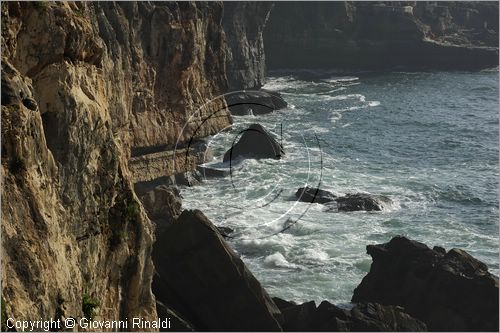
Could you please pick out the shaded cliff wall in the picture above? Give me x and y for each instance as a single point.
(244, 24)
(85, 86)
(382, 35)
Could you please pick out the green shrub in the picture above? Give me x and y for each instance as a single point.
(79, 12)
(132, 210)
(89, 305)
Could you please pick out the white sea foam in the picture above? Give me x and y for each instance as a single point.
(278, 260)
(341, 79)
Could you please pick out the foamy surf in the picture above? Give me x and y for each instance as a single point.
(375, 135)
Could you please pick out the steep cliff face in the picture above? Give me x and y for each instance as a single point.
(244, 24)
(72, 230)
(86, 86)
(382, 35)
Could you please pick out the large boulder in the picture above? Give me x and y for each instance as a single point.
(255, 142)
(256, 102)
(177, 324)
(312, 194)
(201, 277)
(362, 201)
(365, 317)
(449, 291)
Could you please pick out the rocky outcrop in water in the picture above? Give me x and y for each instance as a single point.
(244, 103)
(200, 276)
(256, 142)
(382, 35)
(362, 201)
(311, 194)
(346, 203)
(449, 291)
(364, 317)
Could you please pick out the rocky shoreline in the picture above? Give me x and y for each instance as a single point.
(410, 287)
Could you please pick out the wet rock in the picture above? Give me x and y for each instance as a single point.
(188, 178)
(206, 282)
(225, 231)
(282, 304)
(299, 318)
(254, 102)
(449, 291)
(209, 172)
(362, 201)
(312, 194)
(365, 317)
(255, 142)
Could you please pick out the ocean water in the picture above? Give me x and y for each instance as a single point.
(429, 141)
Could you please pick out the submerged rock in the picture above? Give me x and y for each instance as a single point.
(369, 317)
(225, 231)
(362, 201)
(255, 102)
(449, 291)
(209, 172)
(201, 277)
(312, 194)
(255, 142)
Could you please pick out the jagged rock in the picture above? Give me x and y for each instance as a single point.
(311, 194)
(188, 178)
(254, 102)
(15, 89)
(201, 277)
(299, 318)
(365, 317)
(163, 204)
(245, 60)
(255, 142)
(283, 304)
(209, 172)
(449, 291)
(225, 231)
(362, 201)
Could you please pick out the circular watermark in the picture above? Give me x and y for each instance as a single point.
(233, 166)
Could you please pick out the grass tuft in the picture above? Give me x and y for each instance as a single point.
(89, 305)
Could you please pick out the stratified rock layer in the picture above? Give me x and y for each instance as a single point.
(449, 291)
(244, 23)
